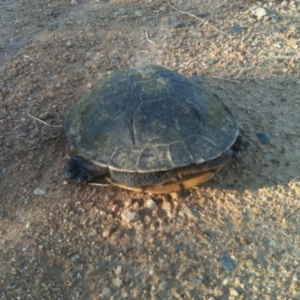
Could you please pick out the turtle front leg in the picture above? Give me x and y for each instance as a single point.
(80, 169)
(240, 145)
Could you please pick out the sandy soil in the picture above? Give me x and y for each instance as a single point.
(235, 237)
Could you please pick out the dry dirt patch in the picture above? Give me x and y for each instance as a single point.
(235, 237)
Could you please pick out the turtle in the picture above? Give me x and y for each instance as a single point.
(150, 129)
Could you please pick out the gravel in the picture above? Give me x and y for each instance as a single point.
(129, 215)
(151, 204)
(70, 242)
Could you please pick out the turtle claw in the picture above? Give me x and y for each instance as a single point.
(76, 169)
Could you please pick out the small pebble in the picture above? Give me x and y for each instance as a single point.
(204, 14)
(128, 203)
(190, 23)
(115, 208)
(264, 138)
(118, 282)
(176, 24)
(228, 262)
(151, 204)
(45, 115)
(140, 227)
(89, 86)
(211, 62)
(106, 292)
(259, 12)
(136, 205)
(233, 292)
(237, 29)
(275, 19)
(118, 270)
(129, 215)
(138, 13)
(195, 283)
(163, 285)
(39, 191)
(107, 232)
(292, 30)
(120, 11)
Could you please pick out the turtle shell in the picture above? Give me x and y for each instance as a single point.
(150, 119)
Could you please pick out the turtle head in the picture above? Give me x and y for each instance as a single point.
(241, 144)
(76, 169)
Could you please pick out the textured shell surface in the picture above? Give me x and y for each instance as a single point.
(150, 119)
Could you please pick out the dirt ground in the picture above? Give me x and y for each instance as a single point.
(234, 237)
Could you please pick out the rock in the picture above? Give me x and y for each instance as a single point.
(140, 227)
(120, 11)
(237, 29)
(45, 115)
(118, 270)
(292, 30)
(136, 205)
(228, 262)
(151, 204)
(115, 208)
(163, 285)
(118, 282)
(264, 138)
(211, 62)
(107, 232)
(259, 12)
(195, 283)
(39, 191)
(275, 19)
(233, 292)
(191, 23)
(176, 24)
(138, 13)
(128, 203)
(129, 215)
(106, 292)
(203, 14)
(89, 86)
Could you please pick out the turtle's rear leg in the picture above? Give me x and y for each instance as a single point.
(80, 169)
